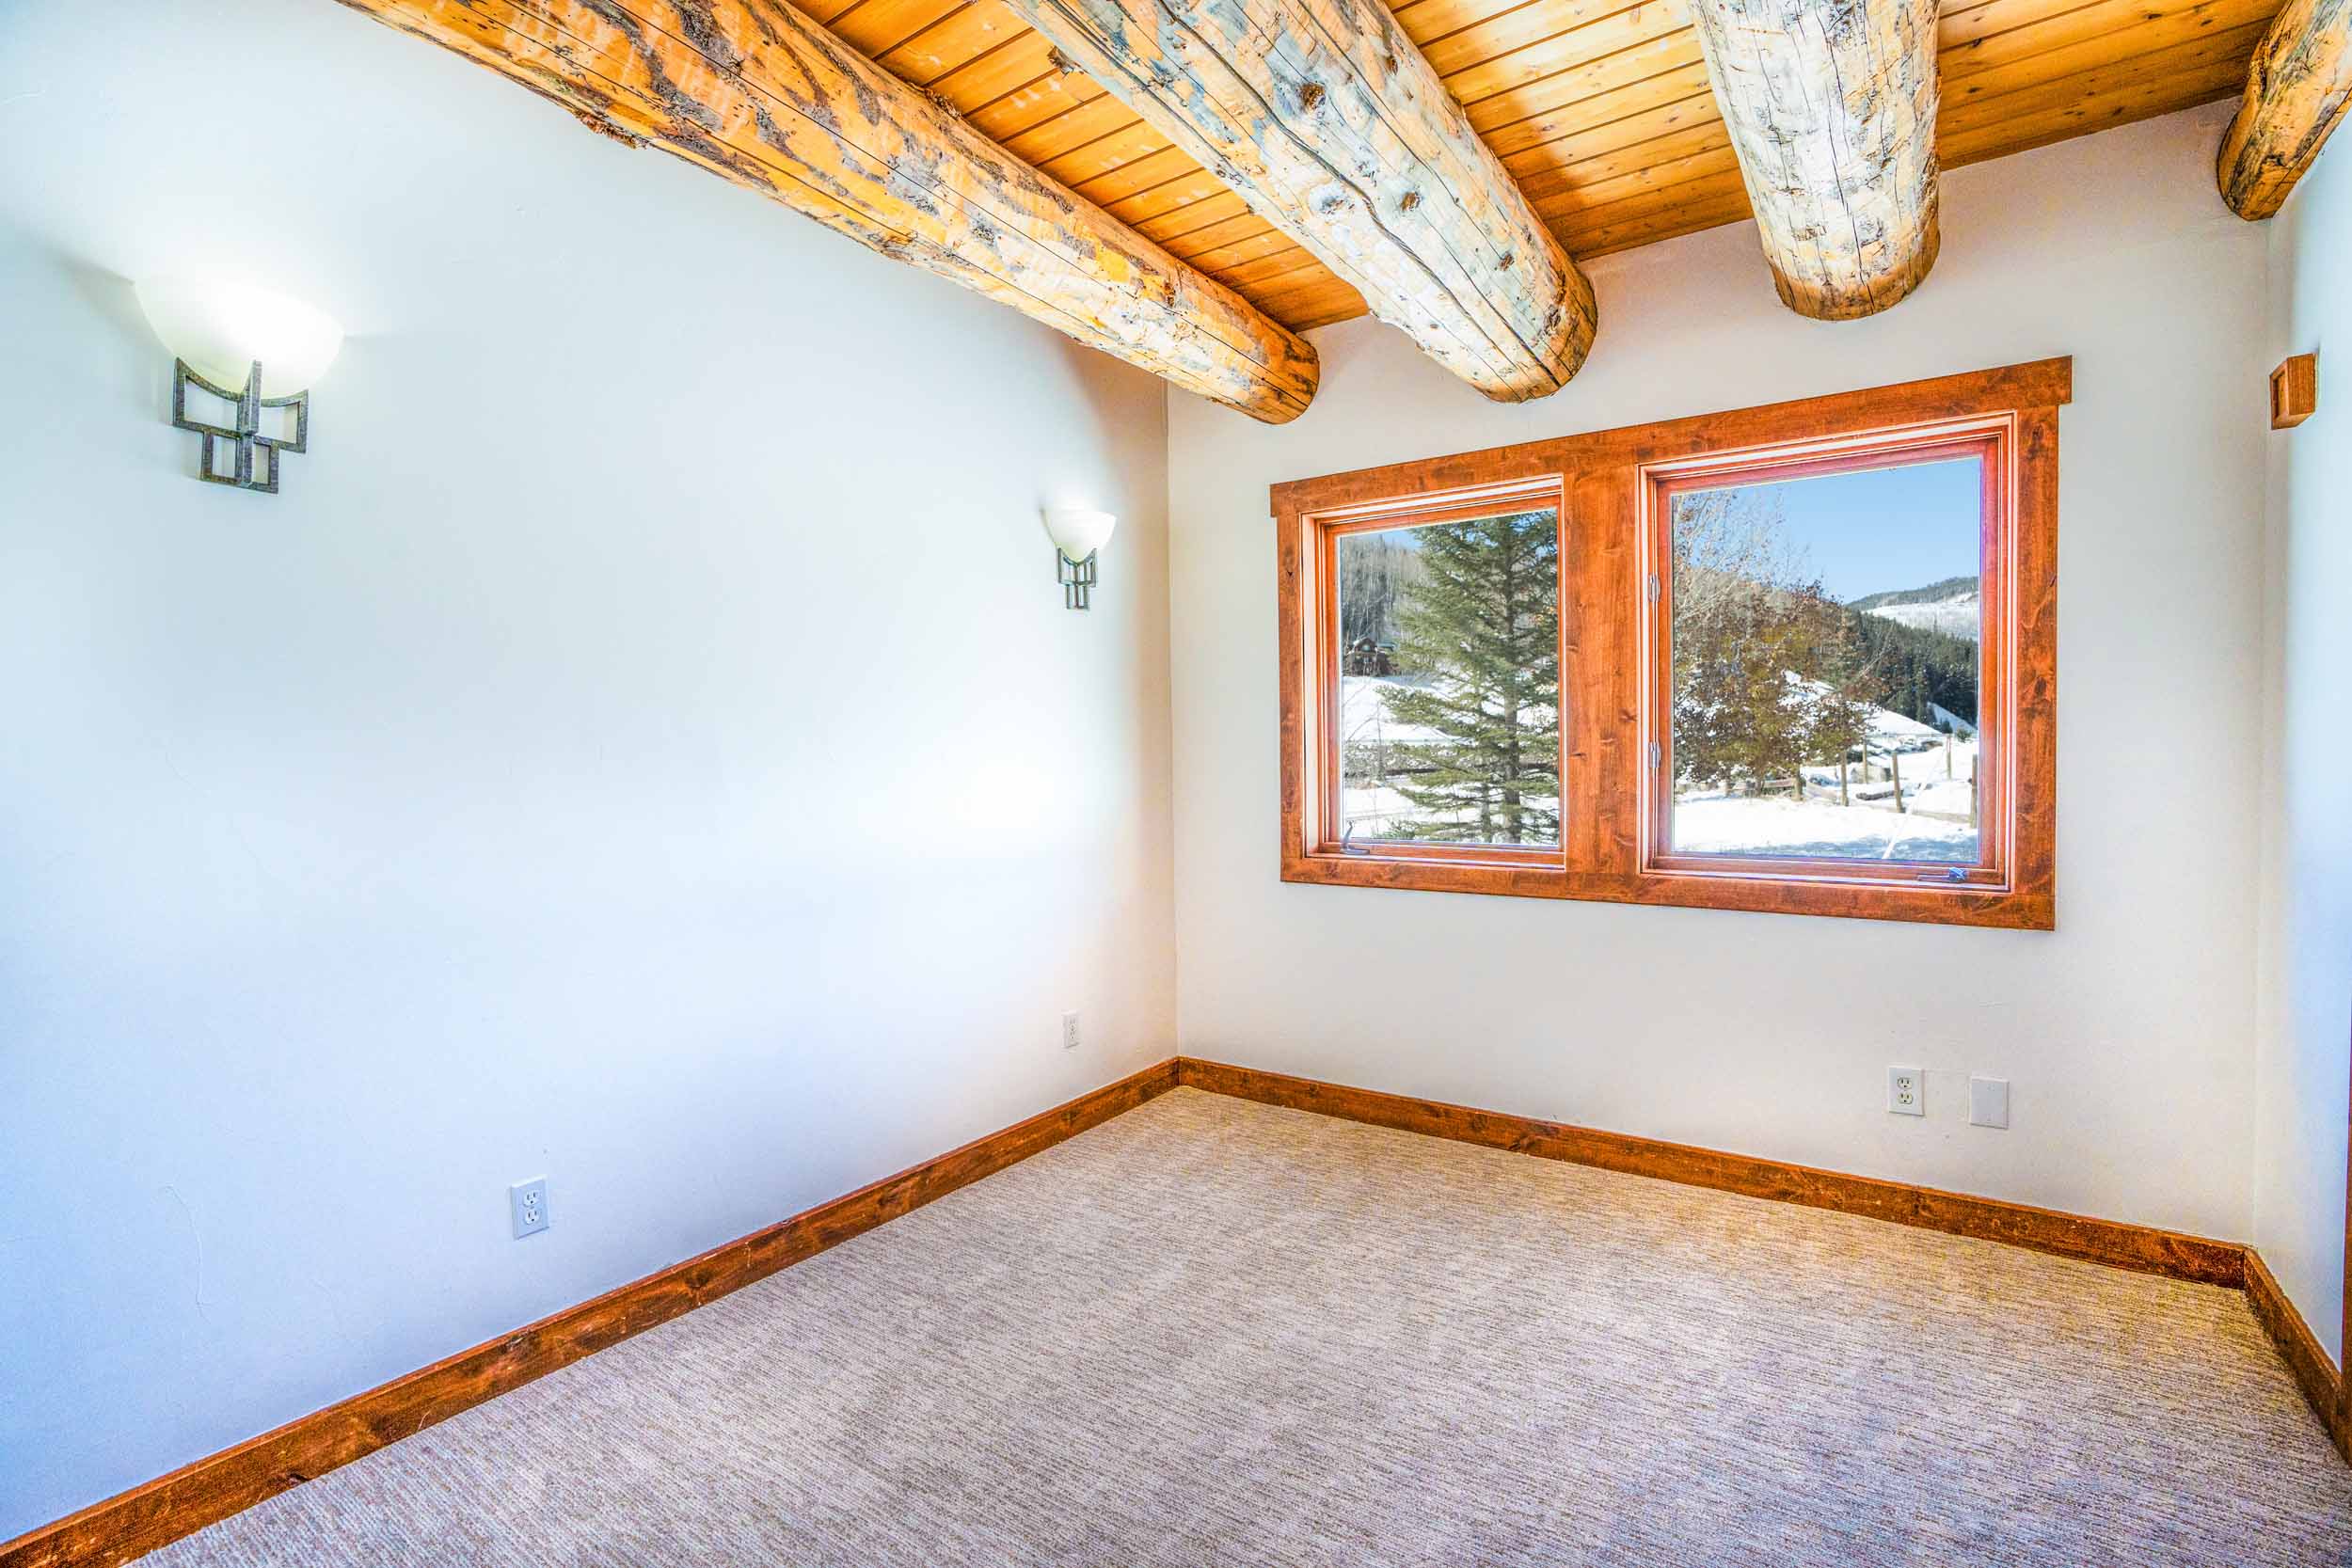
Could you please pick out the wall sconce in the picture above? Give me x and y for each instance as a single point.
(221, 335)
(1078, 538)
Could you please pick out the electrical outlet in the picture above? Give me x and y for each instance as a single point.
(1070, 1031)
(1988, 1102)
(1906, 1091)
(529, 1203)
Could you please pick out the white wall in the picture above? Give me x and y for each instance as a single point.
(587, 768)
(2305, 995)
(2126, 1033)
(642, 746)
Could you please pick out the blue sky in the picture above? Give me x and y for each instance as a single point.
(1883, 528)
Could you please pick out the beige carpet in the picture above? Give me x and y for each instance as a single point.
(1213, 1333)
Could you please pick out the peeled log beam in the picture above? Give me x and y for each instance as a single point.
(1330, 124)
(1831, 107)
(2295, 92)
(756, 93)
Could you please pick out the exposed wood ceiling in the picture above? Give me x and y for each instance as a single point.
(1600, 110)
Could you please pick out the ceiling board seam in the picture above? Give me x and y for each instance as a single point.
(1971, 108)
(1171, 240)
(1305, 261)
(1096, 140)
(1604, 124)
(982, 58)
(833, 23)
(1570, 68)
(1485, 20)
(2222, 80)
(1226, 242)
(1566, 171)
(1634, 86)
(1502, 54)
(2145, 16)
(1099, 92)
(2120, 62)
(2040, 19)
(906, 41)
(1118, 169)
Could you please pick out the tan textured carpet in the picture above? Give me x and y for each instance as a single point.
(1215, 1332)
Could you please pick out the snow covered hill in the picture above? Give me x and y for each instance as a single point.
(1951, 606)
(1959, 616)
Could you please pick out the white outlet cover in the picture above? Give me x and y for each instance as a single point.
(527, 1202)
(1988, 1102)
(1070, 1031)
(1906, 1091)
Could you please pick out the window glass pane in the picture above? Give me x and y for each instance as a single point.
(1826, 665)
(1449, 681)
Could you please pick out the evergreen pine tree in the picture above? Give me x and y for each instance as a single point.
(1483, 623)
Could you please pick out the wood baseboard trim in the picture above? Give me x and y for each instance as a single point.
(2109, 1241)
(212, 1489)
(2299, 1348)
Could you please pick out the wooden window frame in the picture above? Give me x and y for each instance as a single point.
(1989, 441)
(1606, 486)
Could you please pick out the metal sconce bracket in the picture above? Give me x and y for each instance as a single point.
(1077, 579)
(246, 433)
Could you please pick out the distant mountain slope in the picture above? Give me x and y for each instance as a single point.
(1950, 607)
(1949, 588)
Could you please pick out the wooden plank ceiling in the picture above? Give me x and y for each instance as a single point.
(1600, 110)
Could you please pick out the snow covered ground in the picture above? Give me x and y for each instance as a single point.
(1938, 821)
(1364, 716)
(1716, 825)
(1936, 824)
(1372, 813)
(1367, 734)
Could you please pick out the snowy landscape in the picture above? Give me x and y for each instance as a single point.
(1937, 821)
(1806, 722)
(1859, 817)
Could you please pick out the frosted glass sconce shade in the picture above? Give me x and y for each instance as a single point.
(219, 330)
(249, 346)
(1078, 538)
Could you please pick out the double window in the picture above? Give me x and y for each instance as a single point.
(1796, 658)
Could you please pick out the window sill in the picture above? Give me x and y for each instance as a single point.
(1530, 877)
(1851, 898)
(1521, 876)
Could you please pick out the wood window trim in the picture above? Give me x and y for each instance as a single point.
(1989, 442)
(1413, 512)
(1603, 480)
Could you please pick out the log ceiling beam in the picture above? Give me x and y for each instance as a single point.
(759, 95)
(1831, 107)
(2297, 86)
(1323, 117)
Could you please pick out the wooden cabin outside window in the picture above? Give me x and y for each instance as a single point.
(1682, 663)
